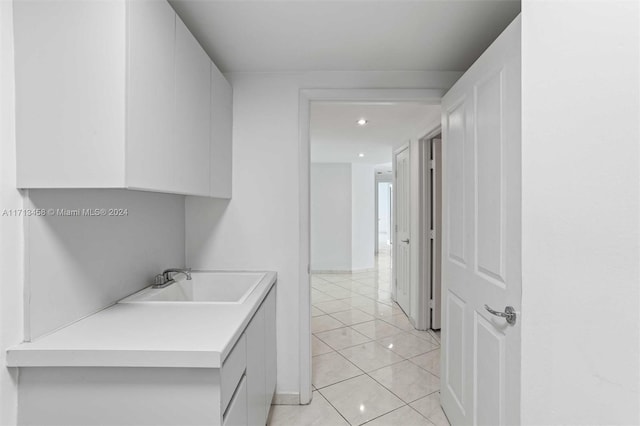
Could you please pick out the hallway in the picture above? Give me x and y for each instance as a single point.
(369, 364)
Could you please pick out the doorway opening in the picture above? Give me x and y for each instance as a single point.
(384, 212)
(358, 331)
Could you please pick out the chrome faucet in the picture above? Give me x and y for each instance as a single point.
(166, 278)
(166, 273)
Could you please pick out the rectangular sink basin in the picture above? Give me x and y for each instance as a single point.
(204, 287)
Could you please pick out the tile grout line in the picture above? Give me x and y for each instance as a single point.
(430, 337)
(334, 408)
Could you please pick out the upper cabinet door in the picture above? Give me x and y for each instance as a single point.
(221, 134)
(191, 148)
(151, 94)
(70, 88)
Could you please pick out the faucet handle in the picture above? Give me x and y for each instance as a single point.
(159, 280)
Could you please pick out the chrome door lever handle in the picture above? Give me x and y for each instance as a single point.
(405, 241)
(509, 313)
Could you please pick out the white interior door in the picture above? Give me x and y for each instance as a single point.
(482, 238)
(402, 243)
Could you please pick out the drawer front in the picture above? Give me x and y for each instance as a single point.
(232, 371)
(236, 414)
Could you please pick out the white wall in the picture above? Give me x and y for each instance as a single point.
(11, 236)
(384, 211)
(79, 265)
(260, 227)
(342, 217)
(331, 217)
(363, 212)
(581, 140)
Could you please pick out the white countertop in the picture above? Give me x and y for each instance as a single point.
(191, 335)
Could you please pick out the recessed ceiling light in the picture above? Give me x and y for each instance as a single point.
(362, 122)
(361, 155)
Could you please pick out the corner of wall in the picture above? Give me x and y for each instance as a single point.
(11, 226)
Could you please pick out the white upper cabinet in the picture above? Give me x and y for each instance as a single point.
(118, 94)
(221, 128)
(151, 97)
(192, 113)
(70, 88)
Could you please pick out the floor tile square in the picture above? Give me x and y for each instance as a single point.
(318, 296)
(401, 321)
(352, 316)
(407, 345)
(376, 329)
(332, 368)
(342, 338)
(370, 356)
(332, 306)
(318, 413)
(361, 399)
(430, 408)
(429, 361)
(338, 292)
(426, 335)
(318, 347)
(323, 323)
(403, 416)
(336, 278)
(379, 310)
(315, 312)
(407, 380)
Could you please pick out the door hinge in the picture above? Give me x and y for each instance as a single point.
(432, 164)
(396, 227)
(432, 234)
(432, 304)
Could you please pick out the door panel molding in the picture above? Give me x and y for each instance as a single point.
(483, 244)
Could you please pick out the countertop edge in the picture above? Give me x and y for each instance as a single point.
(22, 355)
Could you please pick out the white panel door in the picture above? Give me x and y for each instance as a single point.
(481, 253)
(402, 241)
(191, 148)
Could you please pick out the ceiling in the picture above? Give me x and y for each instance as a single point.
(345, 35)
(337, 138)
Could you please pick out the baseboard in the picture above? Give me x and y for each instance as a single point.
(346, 271)
(286, 398)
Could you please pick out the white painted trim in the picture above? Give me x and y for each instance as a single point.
(286, 398)
(427, 96)
(343, 271)
(433, 132)
(304, 249)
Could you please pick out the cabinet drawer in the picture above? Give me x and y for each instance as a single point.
(236, 414)
(232, 370)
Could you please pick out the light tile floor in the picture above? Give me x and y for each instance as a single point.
(369, 364)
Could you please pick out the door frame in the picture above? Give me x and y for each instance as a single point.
(305, 97)
(378, 180)
(424, 267)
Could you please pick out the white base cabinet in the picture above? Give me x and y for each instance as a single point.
(118, 94)
(261, 361)
(237, 394)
